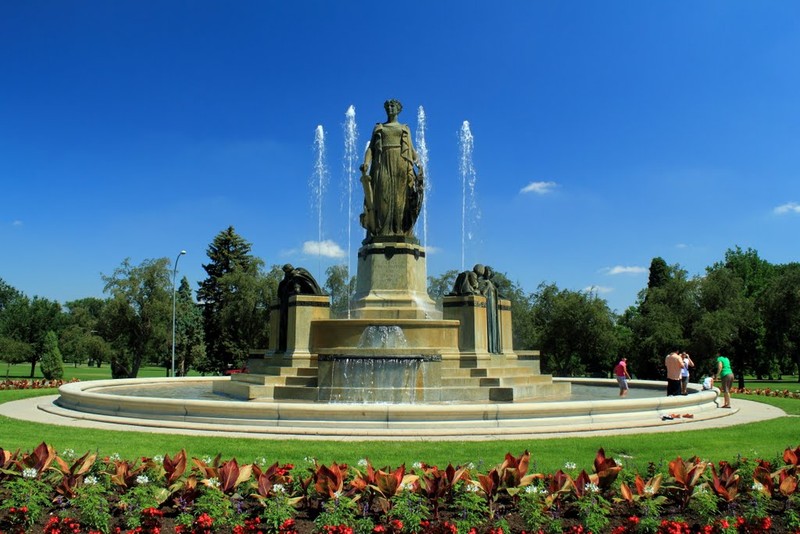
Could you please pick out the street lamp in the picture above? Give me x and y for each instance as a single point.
(174, 273)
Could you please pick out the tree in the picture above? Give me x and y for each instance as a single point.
(51, 364)
(340, 289)
(731, 294)
(575, 331)
(235, 298)
(190, 346)
(781, 304)
(439, 286)
(138, 314)
(26, 322)
(662, 320)
(80, 340)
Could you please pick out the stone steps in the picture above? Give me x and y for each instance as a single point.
(495, 378)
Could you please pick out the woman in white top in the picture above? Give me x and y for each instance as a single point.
(687, 362)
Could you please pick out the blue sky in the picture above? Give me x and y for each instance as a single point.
(605, 133)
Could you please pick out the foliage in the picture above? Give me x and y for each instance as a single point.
(574, 330)
(663, 319)
(341, 288)
(138, 315)
(93, 507)
(24, 324)
(235, 297)
(36, 483)
(190, 345)
(411, 509)
(51, 363)
(439, 286)
(469, 507)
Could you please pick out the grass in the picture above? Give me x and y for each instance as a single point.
(22, 371)
(765, 440)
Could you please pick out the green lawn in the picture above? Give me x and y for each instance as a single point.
(81, 372)
(765, 440)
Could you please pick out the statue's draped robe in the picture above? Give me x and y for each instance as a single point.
(396, 199)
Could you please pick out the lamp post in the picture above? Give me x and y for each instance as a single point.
(174, 273)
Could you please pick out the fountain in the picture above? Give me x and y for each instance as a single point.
(398, 364)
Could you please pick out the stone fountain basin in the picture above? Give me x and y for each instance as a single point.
(95, 400)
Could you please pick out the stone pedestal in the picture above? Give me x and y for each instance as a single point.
(506, 335)
(303, 309)
(470, 311)
(392, 283)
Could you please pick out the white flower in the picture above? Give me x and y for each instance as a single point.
(90, 480)
(309, 459)
(68, 453)
(363, 462)
(337, 495)
(570, 465)
(417, 465)
(142, 480)
(472, 488)
(115, 457)
(207, 459)
(279, 488)
(591, 487)
(650, 490)
(214, 482)
(470, 465)
(29, 472)
(535, 490)
(158, 458)
(261, 461)
(758, 486)
(406, 486)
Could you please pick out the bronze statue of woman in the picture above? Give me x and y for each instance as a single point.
(392, 178)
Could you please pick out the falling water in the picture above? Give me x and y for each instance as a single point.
(319, 181)
(469, 205)
(422, 153)
(350, 140)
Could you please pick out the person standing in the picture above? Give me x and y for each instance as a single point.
(687, 362)
(674, 364)
(725, 375)
(621, 373)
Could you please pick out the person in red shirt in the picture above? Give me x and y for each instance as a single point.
(622, 376)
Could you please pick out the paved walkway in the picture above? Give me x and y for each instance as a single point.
(744, 411)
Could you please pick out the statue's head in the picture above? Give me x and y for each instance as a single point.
(398, 107)
(288, 268)
(479, 269)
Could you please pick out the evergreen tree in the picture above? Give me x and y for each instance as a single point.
(51, 364)
(235, 299)
(190, 346)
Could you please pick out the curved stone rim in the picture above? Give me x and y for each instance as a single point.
(377, 421)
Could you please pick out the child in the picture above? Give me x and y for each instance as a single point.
(708, 383)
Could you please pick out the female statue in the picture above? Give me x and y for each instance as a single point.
(393, 188)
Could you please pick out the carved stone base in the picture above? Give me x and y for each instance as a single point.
(392, 283)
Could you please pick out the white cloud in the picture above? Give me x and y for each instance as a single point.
(600, 290)
(789, 207)
(432, 250)
(681, 245)
(16, 223)
(539, 188)
(327, 249)
(621, 269)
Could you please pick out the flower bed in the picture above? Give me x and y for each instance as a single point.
(32, 384)
(42, 491)
(768, 392)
